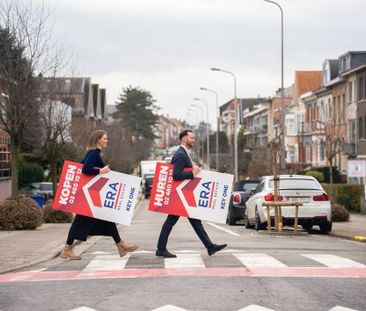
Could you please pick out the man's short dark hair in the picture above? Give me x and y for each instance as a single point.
(184, 133)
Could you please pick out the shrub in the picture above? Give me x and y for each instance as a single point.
(339, 213)
(319, 176)
(29, 172)
(21, 214)
(51, 215)
(348, 195)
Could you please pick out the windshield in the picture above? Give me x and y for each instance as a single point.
(295, 183)
(248, 187)
(46, 187)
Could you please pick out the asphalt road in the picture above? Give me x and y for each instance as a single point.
(257, 271)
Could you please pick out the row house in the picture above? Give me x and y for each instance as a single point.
(304, 82)
(227, 113)
(5, 172)
(256, 121)
(167, 132)
(335, 109)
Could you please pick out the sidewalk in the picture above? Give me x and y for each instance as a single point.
(20, 249)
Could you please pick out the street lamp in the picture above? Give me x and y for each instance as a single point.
(207, 129)
(217, 126)
(235, 123)
(283, 129)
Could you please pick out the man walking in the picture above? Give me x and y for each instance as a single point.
(181, 160)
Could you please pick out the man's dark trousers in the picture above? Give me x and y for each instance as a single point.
(171, 220)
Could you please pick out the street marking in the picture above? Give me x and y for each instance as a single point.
(340, 308)
(295, 272)
(107, 262)
(184, 261)
(143, 252)
(169, 308)
(187, 251)
(83, 309)
(223, 229)
(255, 308)
(251, 260)
(334, 261)
(98, 253)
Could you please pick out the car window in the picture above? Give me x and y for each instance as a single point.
(46, 187)
(34, 186)
(247, 188)
(259, 187)
(295, 183)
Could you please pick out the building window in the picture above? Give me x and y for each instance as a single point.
(360, 89)
(360, 128)
(4, 162)
(308, 154)
(352, 131)
(350, 92)
(321, 151)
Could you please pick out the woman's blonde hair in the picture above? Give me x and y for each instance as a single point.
(94, 137)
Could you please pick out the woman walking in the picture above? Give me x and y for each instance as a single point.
(83, 226)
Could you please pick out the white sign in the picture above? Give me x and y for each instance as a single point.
(356, 168)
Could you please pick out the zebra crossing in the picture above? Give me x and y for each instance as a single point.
(192, 259)
(251, 307)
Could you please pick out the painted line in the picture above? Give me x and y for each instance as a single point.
(334, 261)
(252, 260)
(107, 262)
(169, 308)
(255, 308)
(303, 272)
(83, 309)
(184, 261)
(340, 308)
(223, 229)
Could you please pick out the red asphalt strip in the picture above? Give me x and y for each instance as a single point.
(184, 272)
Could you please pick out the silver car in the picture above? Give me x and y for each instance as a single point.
(316, 208)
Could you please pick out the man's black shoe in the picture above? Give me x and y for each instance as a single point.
(164, 254)
(215, 248)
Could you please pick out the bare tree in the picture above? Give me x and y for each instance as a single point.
(27, 54)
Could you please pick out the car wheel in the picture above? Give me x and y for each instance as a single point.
(325, 227)
(246, 220)
(307, 225)
(258, 225)
(231, 220)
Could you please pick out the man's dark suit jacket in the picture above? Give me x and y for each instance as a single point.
(181, 161)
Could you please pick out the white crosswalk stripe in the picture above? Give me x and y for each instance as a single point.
(247, 308)
(107, 262)
(255, 308)
(258, 260)
(334, 261)
(186, 259)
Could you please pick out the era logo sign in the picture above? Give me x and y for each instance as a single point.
(109, 200)
(204, 190)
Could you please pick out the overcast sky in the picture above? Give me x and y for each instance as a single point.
(169, 46)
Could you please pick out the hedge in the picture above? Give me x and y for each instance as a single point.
(349, 196)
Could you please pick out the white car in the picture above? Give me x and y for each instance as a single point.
(316, 208)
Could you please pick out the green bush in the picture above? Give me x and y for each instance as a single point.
(339, 213)
(21, 214)
(51, 215)
(319, 176)
(29, 172)
(349, 196)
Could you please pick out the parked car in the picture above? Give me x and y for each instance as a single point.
(316, 208)
(242, 191)
(148, 186)
(44, 189)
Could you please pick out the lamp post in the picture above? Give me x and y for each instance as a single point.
(235, 124)
(217, 126)
(207, 129)
(283, 112)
